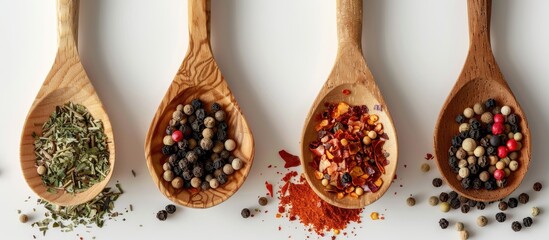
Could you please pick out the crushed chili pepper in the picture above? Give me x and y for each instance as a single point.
(269, 188)
(291, 160)
(322, 217)
(429, 156)
(346, 92)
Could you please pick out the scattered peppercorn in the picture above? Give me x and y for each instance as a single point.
(459, 226)
(481, 205)
(443, 223)
(437, 182)
(535, 211)
(263, 201)
(411, 201)
(463, 235)
(245, 213)
(501, 216)
(537, 186)
(527, 221)
(472, 203)
(170, 208)
(444, 207)
(162, 215)
(454, 203)
(516, 226)
(23, 218)
(465, 208)
(502, 206)
(452, 195)
(482, 221)
(523, 198)
(443, 197)
(425, 167)
(513, 202)
(433, 201)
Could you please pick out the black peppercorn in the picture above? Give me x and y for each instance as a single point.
(523, 198)
(484, 142)
(183, 144)
(181, 154)
(513, 202)
(489, 104)
(166, 150)
(198, 171)
(346, 178)
(225, 154)
(464, 134)
(187, 175)
(443, 223)
(481, 205)
(177, 170)
(515, 128)
(463, 199)
(466, 183)
(502, 206)
(443, 197)
(452, 151)
(490, 184)
(455, 204)
(200, 114)
(460, 118)
(500, 217)
(209, 167)
(245, 213)
(516, 226)
(495, 141)
(474, 169)
(162, 215)
(222, 178)
(186, 130)
(196, 103)
(537, 186)
(452, 195)
(197, 127)
(491, 151)
(215, 107)
(457, 141)
(170, 208)
(513, 119)
(477, 183)
(222, 126)
(169, 130)
(262, 201)
(437, 182)
(221, 135)
(527, 221)
(218, 163)
(472, 203)
(465, 208)
(183, 163)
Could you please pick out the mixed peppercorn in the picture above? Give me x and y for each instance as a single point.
(348, 154)
(486, 150)
(198, 148)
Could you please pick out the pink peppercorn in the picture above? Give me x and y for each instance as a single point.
(498, 128)
(512, 145)
(177, 136)
(499, 118)
(502, 151)
(499, 174)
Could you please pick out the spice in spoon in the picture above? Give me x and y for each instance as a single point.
(71, 152)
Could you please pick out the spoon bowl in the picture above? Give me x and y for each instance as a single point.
(479, 80)
(199, 77)
(66, 81)
(350, 73)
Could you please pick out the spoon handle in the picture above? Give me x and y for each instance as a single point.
(67, 28)
(349, 23)
(479, 12)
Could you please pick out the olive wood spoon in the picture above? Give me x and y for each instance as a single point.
(350, 72)
(479, 80)
(199, 77)
(66, 81)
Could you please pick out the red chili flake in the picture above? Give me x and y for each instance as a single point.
(346, 92)
(281, 209)
(269, 188)
(279, 228)
(429, 156)
(270, 166)
(291, 160)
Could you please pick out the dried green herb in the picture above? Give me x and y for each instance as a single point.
(73, 149)
(93, 212)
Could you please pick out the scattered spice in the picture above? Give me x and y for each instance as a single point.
(465, 208)
(512, 202)
(411, 201)
(433, 200)
(374, 216)
(299, 201)
(443, 223)
(429, 156)
(501, 217)
(23, 218)
(502, 205)
(482, 221)
(162, 215)
(269, 188)
(262, 201)
(523, 198)
(170, 208)
(346, 92)
(459, 226)
(289, 159)
(133, 173)
(444, 207)
(537, 186)
(437, 182)
(527, 221)
(463, 235)
(444, 197)
(425, 167)
(245, 213)
(71, 152)
(516, 226)
(535, 211)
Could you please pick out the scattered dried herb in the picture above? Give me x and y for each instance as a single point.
(269, 188)
(93, 212)
(71, 152)
(289, 159)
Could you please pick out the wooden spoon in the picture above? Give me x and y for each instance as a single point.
(350, 72)
(66, 81)
(199, 77)
(479, 80)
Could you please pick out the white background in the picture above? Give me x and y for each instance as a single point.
(275, 55)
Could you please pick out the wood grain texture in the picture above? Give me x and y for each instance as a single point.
(199, 77)
(66, 81)
(349, 72)
(479, 80)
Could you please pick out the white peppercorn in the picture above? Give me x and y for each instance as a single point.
(218, 172)
(214, 183)
(484, 176)
(463, 235)
(459, 226)
(493, 160)
(372, 134)
(492, 169)
(207, 133)
(479, 151)
(500, 165)
(209, 122)
(469, 145)
(230, 145)
(41, 170)
(177, 115)
(487, 118)
(463, 164)
(507, 172)
(166, 166)
(325, 182)
(517, 136)
(179, 107)
(468, 112)
(464, 127)
(433, 200)
(464, 172)
(192, 143)
(513, 165)
(506, 160)
(196, 182)
(505, 110)
(513, 155)
(237, 164)
(535, 211)
(228, 169)
(168, 175)
(168, 140)
(220, 115)
(208, 178)
(188, 109)
(359, 191)
(425, 167)
(482, 221)
(461, 154)
(478, 108)
(206, 143)
(177, 183)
